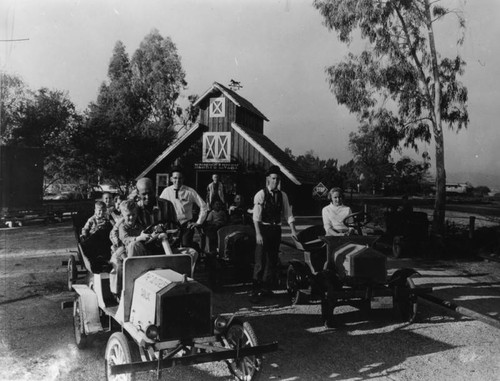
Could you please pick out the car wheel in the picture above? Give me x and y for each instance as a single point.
(293, 281)
(242, 335)
(81, 337)
(120, 350)
(405, 302)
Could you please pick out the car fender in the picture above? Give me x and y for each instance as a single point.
(301, 267)
(90, 309)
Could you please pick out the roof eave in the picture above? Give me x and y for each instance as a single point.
(266, 154)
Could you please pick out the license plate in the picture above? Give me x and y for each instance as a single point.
(381, 302)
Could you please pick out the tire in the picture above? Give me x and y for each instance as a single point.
(407, 305)
(242, 335)
(120, 350)
(293, 287)
(72, 272)
(81, 338)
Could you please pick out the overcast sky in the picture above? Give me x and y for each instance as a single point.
(277, 49)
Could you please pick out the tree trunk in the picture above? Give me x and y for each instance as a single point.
(440, 202)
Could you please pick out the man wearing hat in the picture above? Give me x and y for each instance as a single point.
(271, 207)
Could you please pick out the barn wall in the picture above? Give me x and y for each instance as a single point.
(249, 120)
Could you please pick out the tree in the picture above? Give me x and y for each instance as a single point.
(13, 94)
(372, 146)
(410, 176)
(134, 117)
(401, 70)
(158, 77)
(325, 171)
(47, 119)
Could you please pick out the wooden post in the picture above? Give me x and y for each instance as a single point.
(472, 221)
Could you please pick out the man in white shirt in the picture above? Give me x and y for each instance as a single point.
(184, 198)
(271, 207)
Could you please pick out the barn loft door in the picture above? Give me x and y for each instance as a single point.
(217, 147)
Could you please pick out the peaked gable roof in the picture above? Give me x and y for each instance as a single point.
(237, 99)
(192, 134)
(274, 154)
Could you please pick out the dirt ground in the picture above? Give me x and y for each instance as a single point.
(37, 336)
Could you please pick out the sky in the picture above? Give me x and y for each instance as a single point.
(277, 49)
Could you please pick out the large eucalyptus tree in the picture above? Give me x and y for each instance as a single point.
(400, 71)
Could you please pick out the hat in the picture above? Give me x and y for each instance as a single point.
(273, 169)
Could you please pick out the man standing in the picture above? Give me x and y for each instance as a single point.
(215, 191)
(184, 198)
(271, 207)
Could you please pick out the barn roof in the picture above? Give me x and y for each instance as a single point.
(274, 154)
(237, 99)
(178, 147)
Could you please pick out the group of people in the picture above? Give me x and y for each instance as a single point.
(175, 208)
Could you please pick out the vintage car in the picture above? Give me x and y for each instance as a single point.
(233, 260)
(162, 318)
(359, 269)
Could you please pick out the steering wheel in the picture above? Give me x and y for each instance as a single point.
(158, 228)
(357, 220)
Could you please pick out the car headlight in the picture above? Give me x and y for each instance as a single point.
(221, 323)
(152, 332)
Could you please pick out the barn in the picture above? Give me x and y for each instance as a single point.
(229, 134)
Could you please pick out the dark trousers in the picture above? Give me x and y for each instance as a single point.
(187, 235)
(267, 256)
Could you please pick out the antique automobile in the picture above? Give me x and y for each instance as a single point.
(82, 264)
(406, 231)
(233, 260)
(359, 269)
(162, 318)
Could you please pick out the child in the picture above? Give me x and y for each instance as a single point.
(237, 211)
(115, 214)
(99, 221)
(215, 220)
(130, 231)
(131, 238)
(95, 238)
(107, 198)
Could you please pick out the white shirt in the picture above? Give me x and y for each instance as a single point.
(333, 217)
(183, 203)
(258, 201)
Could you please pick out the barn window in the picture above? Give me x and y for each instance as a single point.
(217, 147)
(217, 107)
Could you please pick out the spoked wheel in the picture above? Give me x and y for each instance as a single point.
(81, 337)
(119, 351)
(72, 272)
(406, 303)
(293, 281)
(242, 335)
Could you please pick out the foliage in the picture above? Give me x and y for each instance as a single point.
(410, 176)
(45, 118)
(400, 71)
(481, 190)
(372, 146)
(136, 111)
(325, 171)
(13, 94)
